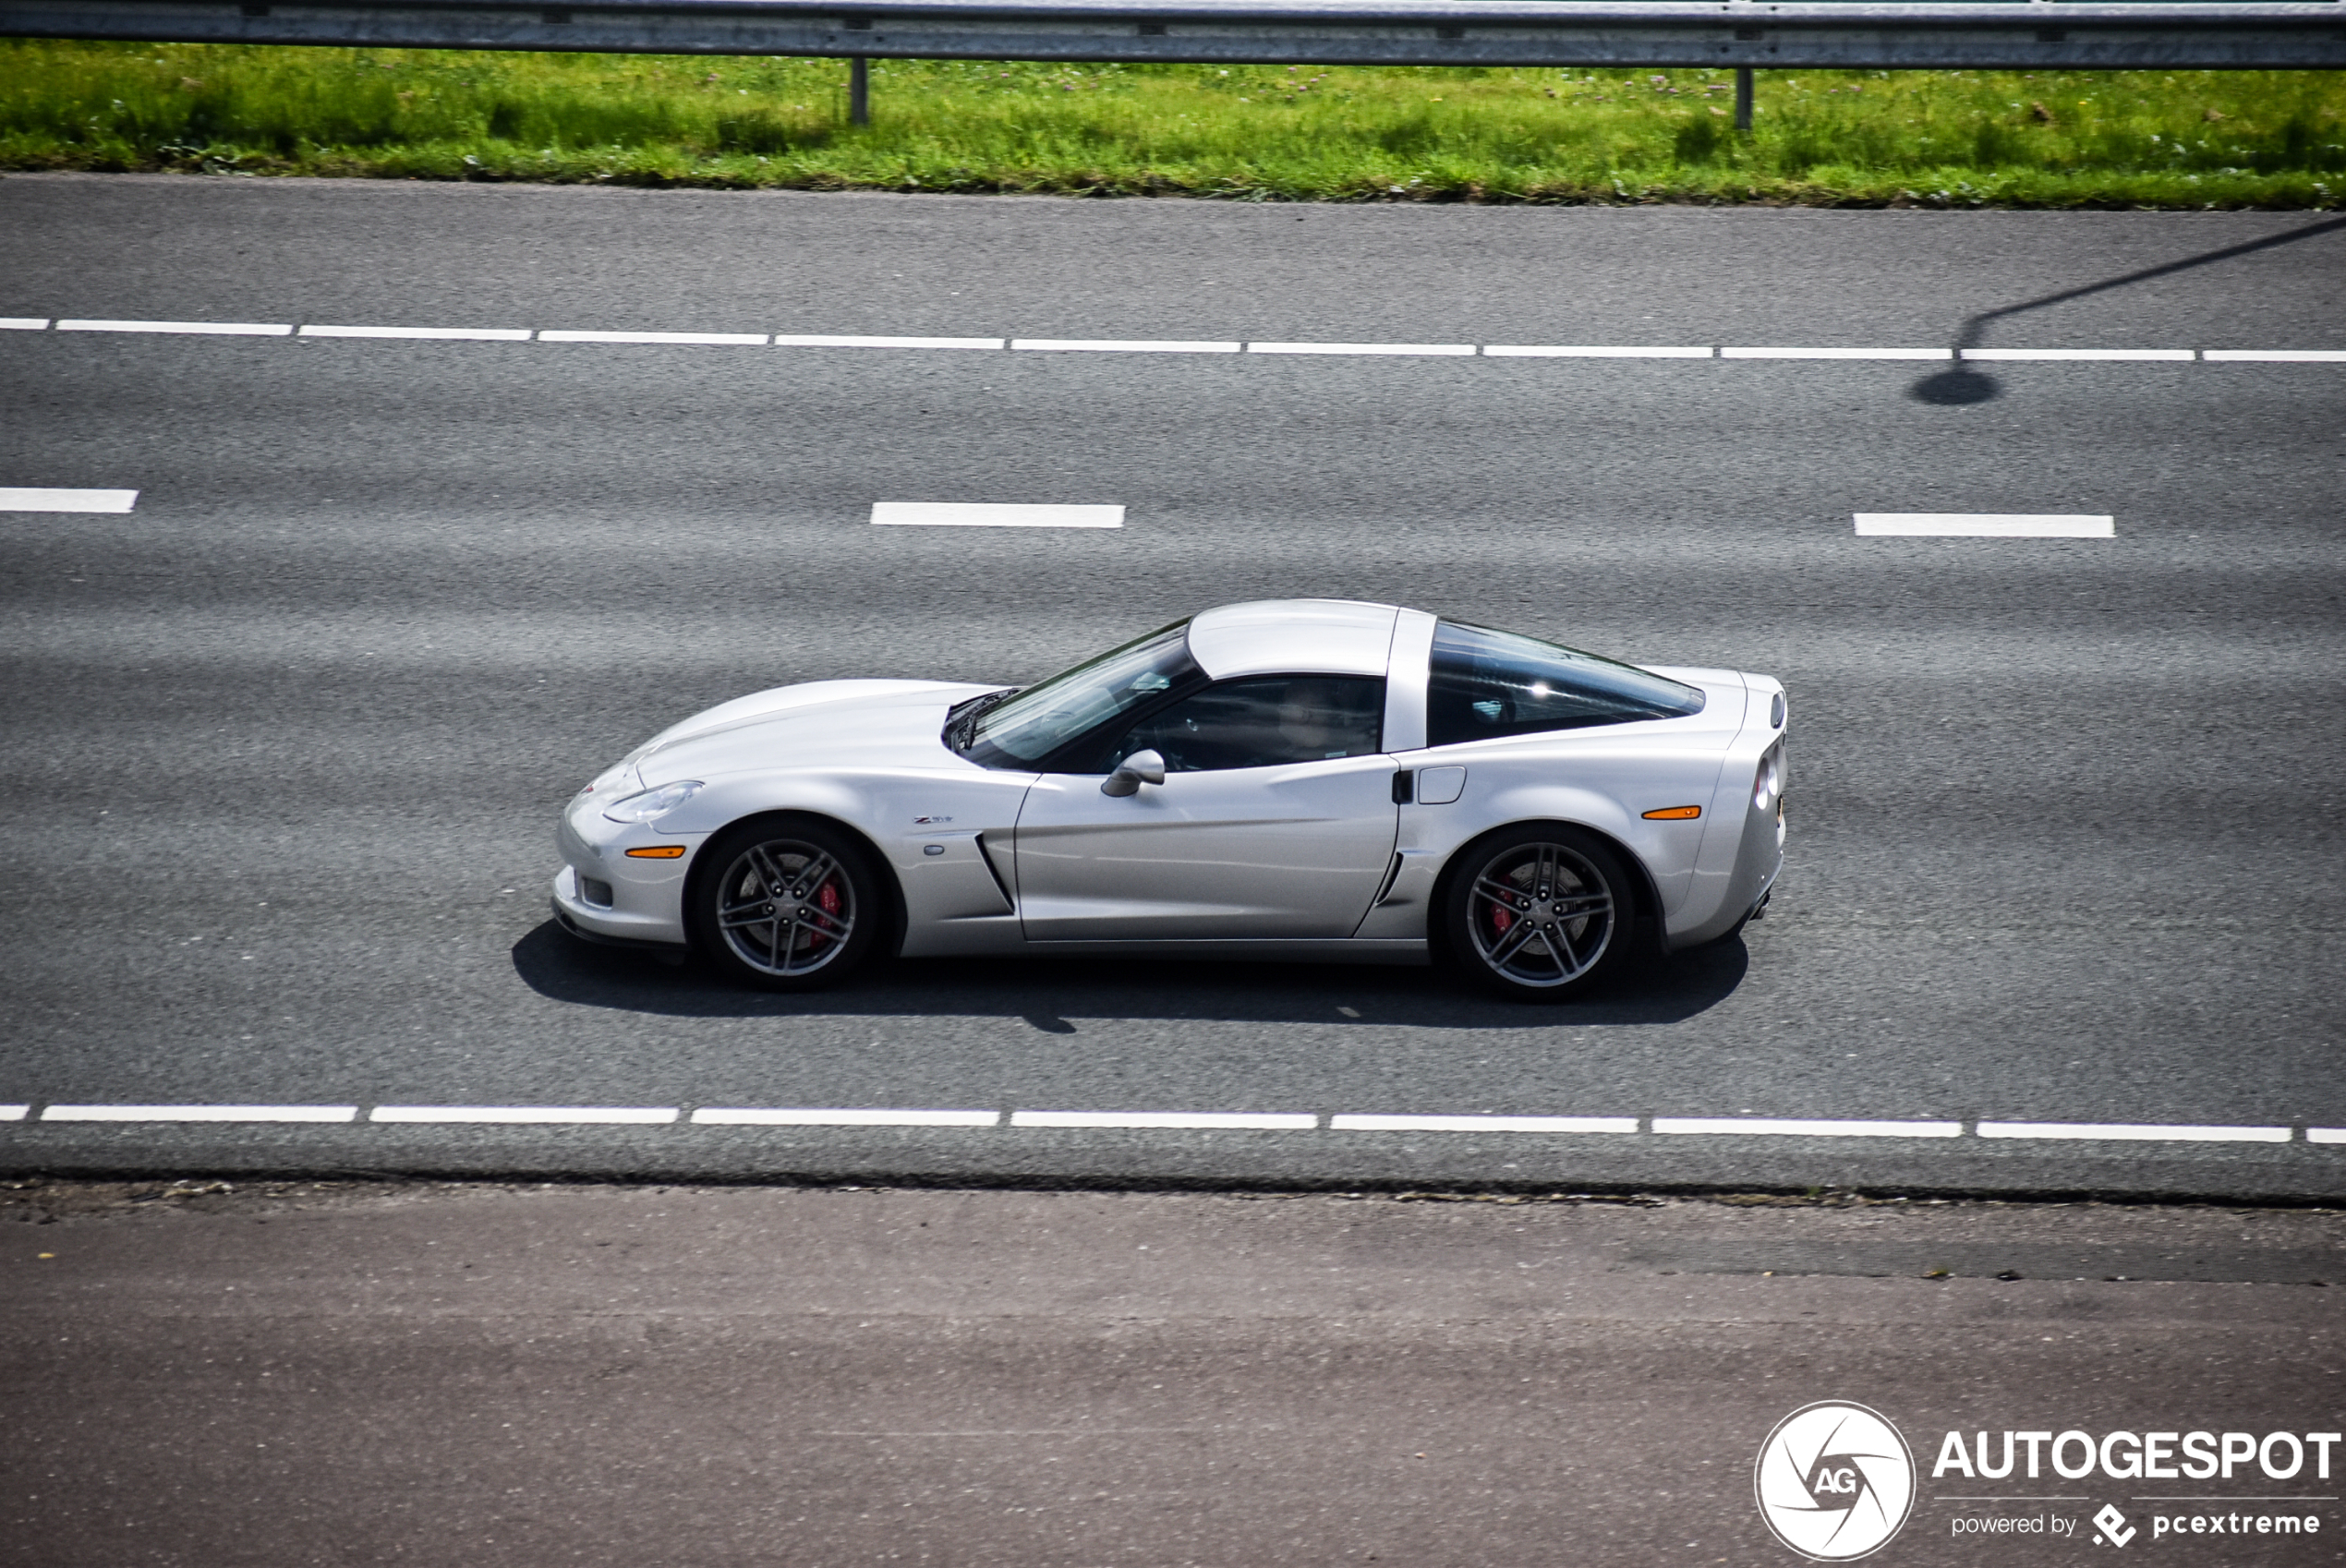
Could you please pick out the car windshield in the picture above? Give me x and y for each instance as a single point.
(1021, 731)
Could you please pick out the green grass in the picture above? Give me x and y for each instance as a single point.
(2168, 140)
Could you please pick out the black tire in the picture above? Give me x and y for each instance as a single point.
(1567, 885)
(832, 912)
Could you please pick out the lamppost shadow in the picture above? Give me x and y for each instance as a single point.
(1964, 385)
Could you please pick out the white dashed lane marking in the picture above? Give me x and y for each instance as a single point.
(1836, 353)
(1237, 1121)
(1782, 1128)
(528, 1115)
(1360, 348)
(2276, 356)
(24, 323)
(200, 1112)
(991, 514)
(13, 1112)
(2123, 1132)
(721, 340)
(2078, 354)
(1984, 525)
(1482, 1123)
(715, 1115)
(201, 329)
(834, 340)
(34, 499)
(1587, 350)
(1124, 345)
(455, 334)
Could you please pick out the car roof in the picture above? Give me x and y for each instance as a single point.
(1293, 636)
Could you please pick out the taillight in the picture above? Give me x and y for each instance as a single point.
(1767, 785)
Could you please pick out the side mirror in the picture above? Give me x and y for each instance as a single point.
(1140, 768)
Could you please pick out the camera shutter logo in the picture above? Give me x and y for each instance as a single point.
(1834, 1482)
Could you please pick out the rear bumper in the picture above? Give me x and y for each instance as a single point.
(1749, 882)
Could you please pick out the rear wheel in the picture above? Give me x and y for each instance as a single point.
(1542, 912)
(785, 904)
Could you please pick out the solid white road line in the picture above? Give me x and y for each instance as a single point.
(1482, 1123)
(34, 499)
(991, 514)
(1793, 1128)
(1984, 525)
(2078, 354)
(713, 1115)
(2326, 1135)
(525, 1114)
(1360, 348)
(1542, 351)
(465, 335)
(1177, 346)
(1122, 345)
(755, 340)
(836, 340)
(206, 329)
(2116, 1130)
(1241, 1120)
(1836, 353)
(200, 1114)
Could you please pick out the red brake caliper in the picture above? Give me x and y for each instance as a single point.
(828, 896)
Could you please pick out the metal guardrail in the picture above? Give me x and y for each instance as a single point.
(1745, 35)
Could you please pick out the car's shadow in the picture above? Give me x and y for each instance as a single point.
(1047, 992)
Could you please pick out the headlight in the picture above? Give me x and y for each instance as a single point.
(650, 805)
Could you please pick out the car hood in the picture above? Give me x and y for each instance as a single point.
(859, 723)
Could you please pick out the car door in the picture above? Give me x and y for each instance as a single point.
(1276, 819)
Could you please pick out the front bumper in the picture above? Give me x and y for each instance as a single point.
(603, 894)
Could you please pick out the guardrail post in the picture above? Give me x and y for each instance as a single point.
(859, 90)
(1743, 98)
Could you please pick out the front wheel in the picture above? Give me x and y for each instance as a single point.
(1541, 912)
(785, 905)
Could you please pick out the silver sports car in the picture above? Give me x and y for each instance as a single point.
(1306, 778)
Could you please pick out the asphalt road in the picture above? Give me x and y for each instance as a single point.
(650, 1378)
(285, 743)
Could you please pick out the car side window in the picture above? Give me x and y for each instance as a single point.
(1263, 721)
(1481, 683)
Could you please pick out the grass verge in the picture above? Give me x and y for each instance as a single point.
(1843, 139)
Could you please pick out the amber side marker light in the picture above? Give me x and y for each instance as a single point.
(1667, 814)
(657, 852)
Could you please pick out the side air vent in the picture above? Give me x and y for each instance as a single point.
(987, 854)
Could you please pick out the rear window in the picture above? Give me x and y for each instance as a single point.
(1483, 683)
